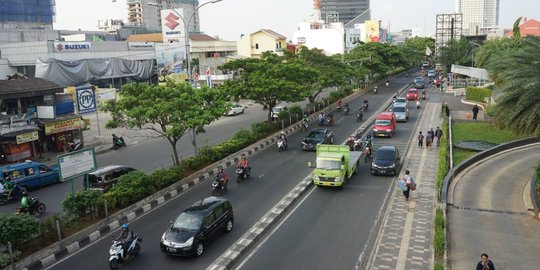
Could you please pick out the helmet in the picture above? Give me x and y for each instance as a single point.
(24, 194)
(113, 135)
(283, 132)
(407, 172)
(243, 157)
(125, 226)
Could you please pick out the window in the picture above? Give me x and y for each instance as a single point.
(44, 169)
(209, 220)
(29, 171)
(257, 46)
(218, 211)
(10, 106)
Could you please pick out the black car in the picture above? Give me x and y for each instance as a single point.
(197, 226)
(386, 161)
(105, 177)
(317, 136)
(419, 83)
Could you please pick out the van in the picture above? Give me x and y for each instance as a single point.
(401, 112)
(385, 124)
(29, 174)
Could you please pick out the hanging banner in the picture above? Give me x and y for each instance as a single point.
(27, 137)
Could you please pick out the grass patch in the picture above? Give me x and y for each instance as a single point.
(442, 169)
(463, 131)
(537, 176)
(460, 155)
(438, 266)
(438, 239)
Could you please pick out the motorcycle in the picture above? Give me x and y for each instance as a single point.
(387, 83)
(367, 154)
(35, 207)
(242, 174)
(329, 120)
(350, 143)
(359, 116)
(358, 144)
(346, 111)
(14, 193)
(117, 143)
(75, 146)
(365, 106)
(281, 145)
(321, 121)
(117, 252)
(375, 90)
(305, 125)
(418, 104)
(219, 186)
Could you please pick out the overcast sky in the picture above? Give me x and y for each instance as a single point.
(231, 18)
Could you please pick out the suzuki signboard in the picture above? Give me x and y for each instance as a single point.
(71, 46)
(172, 25)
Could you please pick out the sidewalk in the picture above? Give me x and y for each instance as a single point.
(405, 237)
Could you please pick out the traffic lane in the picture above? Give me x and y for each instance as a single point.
(274, 174)
(147, 155)
(332, 225)
(496, 183)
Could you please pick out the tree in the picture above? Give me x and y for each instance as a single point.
(517, 76)
(415, 48)
(456, 52)
(169, 110)
(493, 48)
(378, 58)
(328, 71)
(269, 80)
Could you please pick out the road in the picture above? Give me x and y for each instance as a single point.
(274, 175)
(489, 214)
(330, 228)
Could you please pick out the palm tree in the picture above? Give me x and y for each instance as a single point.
(517, 75)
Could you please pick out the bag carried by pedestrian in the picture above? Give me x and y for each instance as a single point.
(402, 184)
(410, 183)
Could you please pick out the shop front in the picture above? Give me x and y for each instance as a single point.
(59, 133)
(19, 146)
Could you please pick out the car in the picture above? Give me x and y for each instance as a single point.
(400, 100)
(432, 74)
(317, 136)
(29, 174)
(386, 161)
(104, 178)
(419, 83)
(425, 64)
(412, 94)
(277, 110)
(235, 109)
(197, 226)
(385, 124)
(401, 112)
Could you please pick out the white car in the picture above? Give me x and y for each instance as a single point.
(400, 101)
(277, 110)
(235, 109)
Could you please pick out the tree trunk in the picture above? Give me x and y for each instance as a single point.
(175, 153)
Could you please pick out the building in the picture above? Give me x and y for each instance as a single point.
(348, 12)
(478, 15)
(528, 27)
(35, 117)
(254, 44)
(147, 13)
(27, 14)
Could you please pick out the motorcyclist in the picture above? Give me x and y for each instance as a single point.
(244, 164)
(221, 177)
(360, 111)
(339, 102)
(283, 137)
(346, 108)
(330, 118)
(125, 237)
(25, 202)
(423, 94)
(321, 119)
(305, 119)
(387, 83)
(366, 104)
(350, 142)
(117, 140)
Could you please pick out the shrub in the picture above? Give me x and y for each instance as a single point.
(5, 260)
(537, 176)
(166, 177)
(243, 136)
(130, 188)
(478, 93)
(295, 109)
(283, 114)
(335, 95)
(442, 169)
(81, 203)
(439, 266)
(438, 240)
(262, 129)
(17, 228)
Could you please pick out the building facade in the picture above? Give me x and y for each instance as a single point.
(255, 44)
(28, 14)
(478, 15)
(146, 13)
(344, 11)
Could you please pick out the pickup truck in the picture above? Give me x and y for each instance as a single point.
(335, 165)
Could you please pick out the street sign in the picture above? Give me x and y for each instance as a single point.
(86, 99)
(75, 164)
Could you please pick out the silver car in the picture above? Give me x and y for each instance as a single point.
(401, 112)
(400, 101)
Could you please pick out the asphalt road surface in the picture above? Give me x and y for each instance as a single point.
(274, 174)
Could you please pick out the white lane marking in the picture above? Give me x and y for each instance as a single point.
(274, 230)
(341, 119)
(262, 175)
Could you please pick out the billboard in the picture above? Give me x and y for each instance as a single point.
(172, 25)
(170, 59)
(372, 31)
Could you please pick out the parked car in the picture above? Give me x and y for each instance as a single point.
(235, 109)
(401, 112)
(29, 174)
(385, 124)
(197, 226)
(386, 161)
(317, 136)
(419, 83)
(277, 110)
(104, 178)
(400, 101)
(412, 94)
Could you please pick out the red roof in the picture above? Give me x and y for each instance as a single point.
(201, 37)
(531, 27)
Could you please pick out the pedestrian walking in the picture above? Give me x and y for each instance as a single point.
(431, 133)
(475, 111)
(429, 141)
(406, 183)
(485, 263)
(438, 134)
(420, 140)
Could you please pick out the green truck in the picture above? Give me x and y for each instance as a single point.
(335, 165)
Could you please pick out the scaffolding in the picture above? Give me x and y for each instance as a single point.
(448, 27)
(27, 11)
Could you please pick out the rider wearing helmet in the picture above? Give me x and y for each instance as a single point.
(221, 177)
(244, 163)
(126, 237)
(25, 202)
(283, 137)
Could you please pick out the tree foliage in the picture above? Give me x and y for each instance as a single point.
(169, 110)
(17, 228)
(457, 52)
(517, 76)
(269, 80)
(377, 58)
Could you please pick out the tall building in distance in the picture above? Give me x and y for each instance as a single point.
(27, 14)
(146, 13)
(479, 16)
(349, 12)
